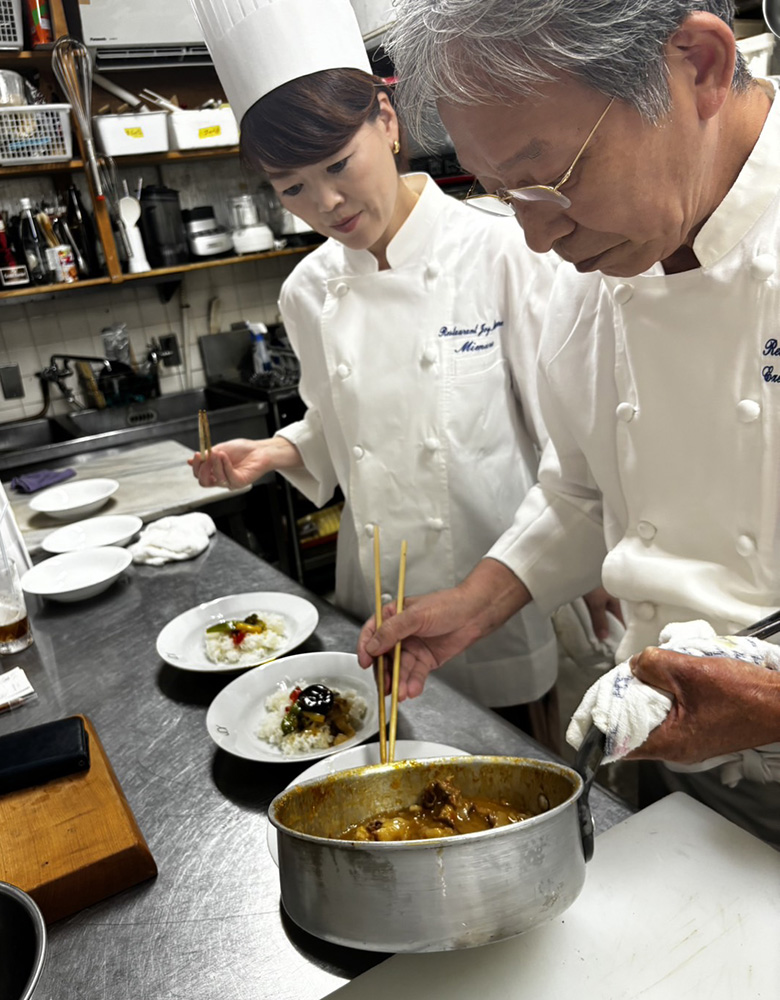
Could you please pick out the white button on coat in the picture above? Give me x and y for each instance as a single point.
(341, 289)
(746, 545)
(623, 293)
(645, 611)
(432, 272)
(369, 530)
(429, 356)
(387, 598)
(358, 452)
(748, 410)
(646, 530)
(436, 523)
(343, 371)
(763, 266)
(625, 412)
(432, 443)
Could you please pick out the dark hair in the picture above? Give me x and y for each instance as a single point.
(311, 118)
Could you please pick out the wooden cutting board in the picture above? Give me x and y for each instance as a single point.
(73, 841)
(678, 904)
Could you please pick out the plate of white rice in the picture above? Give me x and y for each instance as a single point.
(245, 718)
(187, 643)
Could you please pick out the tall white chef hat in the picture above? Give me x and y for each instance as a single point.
(258, 45)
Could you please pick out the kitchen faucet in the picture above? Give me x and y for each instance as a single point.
(53, 373)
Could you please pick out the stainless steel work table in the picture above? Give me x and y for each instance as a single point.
(210, 925)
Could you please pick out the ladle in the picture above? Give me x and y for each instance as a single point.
(772, 15)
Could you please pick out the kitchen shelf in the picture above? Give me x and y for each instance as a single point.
(161, 272)
(172, 156)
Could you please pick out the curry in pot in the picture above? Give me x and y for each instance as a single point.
(443, 811)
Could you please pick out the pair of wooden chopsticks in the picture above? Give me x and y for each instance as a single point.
(387, 743)
(204, 433)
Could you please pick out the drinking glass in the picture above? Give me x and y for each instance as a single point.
(15, 631)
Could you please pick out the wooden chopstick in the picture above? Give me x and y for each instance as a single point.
(204, 433)
(380, 672)
(396, 660)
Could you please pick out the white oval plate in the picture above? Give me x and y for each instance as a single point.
(182, 641)
(75, 576)
(92, 533)
(75, 499)
(235, 714)
(362, 756)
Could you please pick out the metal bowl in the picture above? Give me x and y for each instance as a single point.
(22, 943)
(432, 895)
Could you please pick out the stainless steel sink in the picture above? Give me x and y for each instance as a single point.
(24, 446)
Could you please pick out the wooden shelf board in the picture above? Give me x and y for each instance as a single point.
(172, 156)
(19, 293)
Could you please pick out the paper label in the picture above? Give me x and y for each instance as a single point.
(209, 132)
(135, 133)
(14, 688)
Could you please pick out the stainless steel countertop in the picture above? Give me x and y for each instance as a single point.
(210, 924)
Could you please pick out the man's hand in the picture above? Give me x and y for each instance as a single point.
(719, 706)
(438, 626)
(599, 602)
(241, 462)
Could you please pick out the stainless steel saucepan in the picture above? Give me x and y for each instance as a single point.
(436, 895)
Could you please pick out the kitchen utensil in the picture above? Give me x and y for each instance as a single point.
(130, 212)
(396, 661)
(76, 576)
(112, 88)
(75, 499)
(110, 182)
(236, 714)
(204, 434)
(23, 933)
(93, 533)
(162, 227)
(772, 15)
(204, 236)
(431, 895)
(679, 902)
(243, 212)
(365, 755)
(160, 102)
(11, 89)
(380, 661)
(181, 642)
(72, 66)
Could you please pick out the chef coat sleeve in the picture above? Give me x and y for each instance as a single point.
(555, 544)
(317, 478)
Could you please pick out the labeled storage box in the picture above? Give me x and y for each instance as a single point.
(35, 133)
(129, 135)
(202, 129)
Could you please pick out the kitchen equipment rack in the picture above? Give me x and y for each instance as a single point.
(35, 133)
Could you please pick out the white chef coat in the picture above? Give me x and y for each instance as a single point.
(420, 388)
(661, 395)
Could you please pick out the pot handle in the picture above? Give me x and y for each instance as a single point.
(588, 758)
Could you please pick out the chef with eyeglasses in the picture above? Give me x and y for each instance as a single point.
(636, 145)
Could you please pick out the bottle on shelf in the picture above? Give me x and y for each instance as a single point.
(12, 273)
(79, 231)
(39, 23)
(33, 245)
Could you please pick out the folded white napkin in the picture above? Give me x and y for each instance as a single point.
(171, 539)
(626, 710)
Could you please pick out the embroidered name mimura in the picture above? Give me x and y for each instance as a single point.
(771, 350)
(481, 330)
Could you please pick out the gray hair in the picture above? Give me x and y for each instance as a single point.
(473, 51)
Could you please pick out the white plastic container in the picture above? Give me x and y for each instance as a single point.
(35, 133)
(757, 50)
(11, 35)
(202, 129)
(129, 135)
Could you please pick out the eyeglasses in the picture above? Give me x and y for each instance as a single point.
(500, 203)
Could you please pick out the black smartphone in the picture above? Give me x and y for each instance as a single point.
(42, 753)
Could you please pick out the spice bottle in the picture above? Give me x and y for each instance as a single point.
(39, 23)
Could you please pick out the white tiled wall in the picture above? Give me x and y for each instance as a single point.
(31, 333)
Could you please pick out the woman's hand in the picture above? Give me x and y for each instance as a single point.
(241, 462)
(719, 705)
(599, 602)
(438, 626)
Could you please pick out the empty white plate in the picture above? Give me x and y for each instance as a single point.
(362, 756)
(93, 533)
(73, 500)
(75, 576)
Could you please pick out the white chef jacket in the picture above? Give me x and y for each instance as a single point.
(661, 395)
(420, 388)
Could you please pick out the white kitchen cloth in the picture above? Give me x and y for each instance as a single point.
(626, 710)
(171, 539)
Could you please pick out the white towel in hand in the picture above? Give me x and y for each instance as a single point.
(626, 710)
(173, 538)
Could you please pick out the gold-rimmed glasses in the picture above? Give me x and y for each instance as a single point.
(500, 203)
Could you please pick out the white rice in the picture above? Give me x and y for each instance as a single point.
(220, 647)
(270, 728)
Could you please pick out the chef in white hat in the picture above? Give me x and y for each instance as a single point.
(416, 328)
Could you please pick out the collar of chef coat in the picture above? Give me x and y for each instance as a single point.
(413, 238)
(754, 189)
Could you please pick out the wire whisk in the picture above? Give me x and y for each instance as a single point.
(72, 66)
